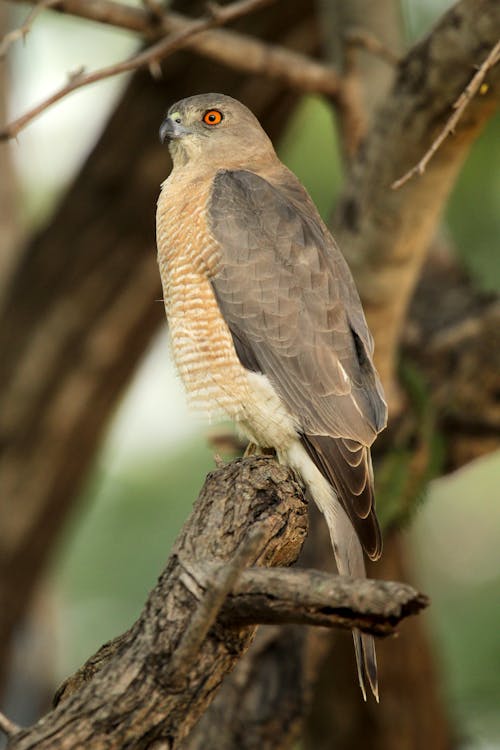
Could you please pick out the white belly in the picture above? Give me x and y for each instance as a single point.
(265, 419)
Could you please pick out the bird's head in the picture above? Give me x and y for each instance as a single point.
(214, 128)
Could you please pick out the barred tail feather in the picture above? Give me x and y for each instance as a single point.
(347, 550)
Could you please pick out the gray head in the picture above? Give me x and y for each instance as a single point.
(214, 127)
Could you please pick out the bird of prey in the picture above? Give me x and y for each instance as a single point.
(265, 322)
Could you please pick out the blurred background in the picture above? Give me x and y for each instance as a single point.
(154, 458)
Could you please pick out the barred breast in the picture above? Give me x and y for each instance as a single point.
(216, 383)
(201, 343)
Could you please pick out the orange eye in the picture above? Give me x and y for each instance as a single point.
(212, 117)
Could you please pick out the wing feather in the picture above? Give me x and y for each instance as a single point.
(289, 300)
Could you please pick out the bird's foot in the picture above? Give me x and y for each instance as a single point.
(252, 450)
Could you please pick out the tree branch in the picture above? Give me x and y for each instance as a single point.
(222, 580)
(154, 681)
(312, 597)
(268, 597)
(234, 49)
(385, 233)
(219, 15)
(25, 28)
(134, 699)
(7, 726)
(474, 86)
(363, 39)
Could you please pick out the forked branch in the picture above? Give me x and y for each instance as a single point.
(154, 681)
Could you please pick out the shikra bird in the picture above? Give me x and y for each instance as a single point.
(265, 322)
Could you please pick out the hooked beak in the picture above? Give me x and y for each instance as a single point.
(171, 130)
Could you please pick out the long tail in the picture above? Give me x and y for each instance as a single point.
(347, 549)
(350, 562)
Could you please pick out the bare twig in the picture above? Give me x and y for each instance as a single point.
(366, 40)
(23, 31)
(153, 54)
(231, 48)
(474, 86)
(7, 726)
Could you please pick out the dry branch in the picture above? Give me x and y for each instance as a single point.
(234, 49)
(311, 597)
(134, 699)
(25, 28)
(155, 681)
(149, 57)
(269, 597)
(474, 86)
(7, 726)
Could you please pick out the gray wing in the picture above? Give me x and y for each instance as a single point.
(289, 300)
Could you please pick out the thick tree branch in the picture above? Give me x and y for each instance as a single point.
(198, 620)
(135, 699)
(311, 597)
(262, 596)
(385, 233)
(474, 86)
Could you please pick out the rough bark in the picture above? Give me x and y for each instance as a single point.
(153, 683)
(137, 697)
(385, 233)
(83, 305)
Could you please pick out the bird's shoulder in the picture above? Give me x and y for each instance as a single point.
(274, 191)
